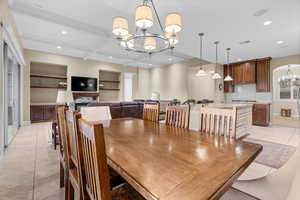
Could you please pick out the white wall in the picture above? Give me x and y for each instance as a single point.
(170, 81)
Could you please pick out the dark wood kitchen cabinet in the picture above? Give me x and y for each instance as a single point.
(263, 75)
(261, 114)
(228, 85)
(244, 73)
(42, 113)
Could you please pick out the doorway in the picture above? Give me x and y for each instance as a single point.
(12, 95)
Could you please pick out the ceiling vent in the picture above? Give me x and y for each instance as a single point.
(245, 42)
(260, 12)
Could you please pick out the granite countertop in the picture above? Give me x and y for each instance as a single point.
(221, 105)
(44, 103)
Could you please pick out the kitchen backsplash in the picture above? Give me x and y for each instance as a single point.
(248, 92)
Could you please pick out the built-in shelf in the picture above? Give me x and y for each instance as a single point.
(48, 76)
(109, 81)
(112, 89)
(51, 87)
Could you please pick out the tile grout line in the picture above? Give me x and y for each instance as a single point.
(35, 164)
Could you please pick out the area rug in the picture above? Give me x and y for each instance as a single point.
(274, 155)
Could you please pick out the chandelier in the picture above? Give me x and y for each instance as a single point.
(289, 79)
(143, 40)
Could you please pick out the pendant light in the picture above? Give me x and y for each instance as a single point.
(143, 17)
(228, 77)
(173, 23)
(216, 75)
(201, 72)
(120, 26)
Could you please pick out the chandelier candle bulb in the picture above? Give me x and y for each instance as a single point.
(120, 26)
(173, 23)
(143, 17)
(127, 43)
(173, 38)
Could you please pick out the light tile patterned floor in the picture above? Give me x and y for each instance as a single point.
(30, 168)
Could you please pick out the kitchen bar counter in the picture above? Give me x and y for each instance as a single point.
(244, 116)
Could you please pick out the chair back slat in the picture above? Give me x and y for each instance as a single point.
(151, 112)
(61, 114)
(72, 135)
(95, 163)
(218, 121)
(178, 116)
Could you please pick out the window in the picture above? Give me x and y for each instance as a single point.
(128, 86)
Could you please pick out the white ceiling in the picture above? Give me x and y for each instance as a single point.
(89, 28)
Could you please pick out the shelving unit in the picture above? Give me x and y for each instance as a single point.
(45, 80)
(109, 85)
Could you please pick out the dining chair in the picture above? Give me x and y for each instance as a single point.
(151, 112)
(63, 150)
(178, 116)
(218, 121)
(97, 183)
(96, 113)
(75, 183)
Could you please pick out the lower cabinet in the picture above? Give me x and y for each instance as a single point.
(261, 114)
(41, 113)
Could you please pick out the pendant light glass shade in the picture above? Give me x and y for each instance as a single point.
(130, 43)
(201, 72)
(216, 76)
(150, 43)
(120, 26)
(143, 17)
(173, 23)
(228, 78)
(173, 38)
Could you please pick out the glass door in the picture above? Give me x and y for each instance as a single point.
(13, 96)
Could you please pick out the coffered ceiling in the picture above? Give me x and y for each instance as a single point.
(88, 24)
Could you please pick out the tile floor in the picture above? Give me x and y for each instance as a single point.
(30, 168)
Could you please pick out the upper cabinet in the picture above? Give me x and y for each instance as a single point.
(249, 72)
(244, 73)
(263, 75)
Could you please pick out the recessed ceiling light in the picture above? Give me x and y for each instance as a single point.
(150, 64)
(266, 23)
(239, 59)
(58, 47)
(110, 57)
(245, 42)
(280, 42)
(64, 32)
(260, 12)
(170, 59)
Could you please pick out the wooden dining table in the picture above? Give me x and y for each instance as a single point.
(168, 163)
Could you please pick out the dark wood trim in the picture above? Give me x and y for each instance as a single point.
(52, 87)
(112, 89)
(85, 94)
(48, 76)
(109, 81)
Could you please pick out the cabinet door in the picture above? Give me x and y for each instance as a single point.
(248, 72)
(228, 85)
(239, 74)
(36, 113)
(49, 113)
(261, 114)
(263, 75)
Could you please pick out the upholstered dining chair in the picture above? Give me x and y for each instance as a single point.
(63, 150)
(220, 122)
(151, 112)
(96, 113)
(178, 116)
(97, 183)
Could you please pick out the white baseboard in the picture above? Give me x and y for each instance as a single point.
(25, 123)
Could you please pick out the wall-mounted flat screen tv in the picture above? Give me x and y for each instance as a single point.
(83, 84)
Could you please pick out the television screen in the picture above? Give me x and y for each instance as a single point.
(83, 83)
